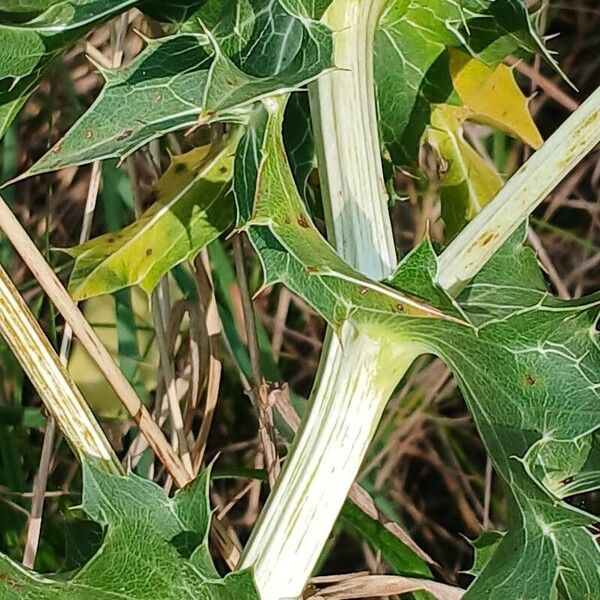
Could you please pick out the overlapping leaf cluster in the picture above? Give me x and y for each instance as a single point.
(224, 57)
(528, 365)
(218, 60)
(153, 547)
(413, 53)
(438, 64)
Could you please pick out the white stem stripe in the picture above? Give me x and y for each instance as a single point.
(347, 401)
(346, 133)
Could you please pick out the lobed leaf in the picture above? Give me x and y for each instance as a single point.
(212, 71)
(153, 547)
(193, 208)
(281, 229)
(512, 370)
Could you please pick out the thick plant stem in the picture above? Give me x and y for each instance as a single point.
(351, 390)
(346, 134)
(354, 384)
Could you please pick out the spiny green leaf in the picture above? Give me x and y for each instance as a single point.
(195, 78)
(528, 365)
(34, 33)
(193, 208)
(269, 205)
(512, 370)
(484, 546)
(499, 27)
(154, 547)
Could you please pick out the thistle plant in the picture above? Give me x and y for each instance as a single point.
(383, 80)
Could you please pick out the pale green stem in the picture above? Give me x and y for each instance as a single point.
(346, 133)
(355, 379)
(352, 390)
(57, 390)
(484, 235)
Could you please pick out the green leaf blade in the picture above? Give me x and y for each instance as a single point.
(33, 35)
(140, 557)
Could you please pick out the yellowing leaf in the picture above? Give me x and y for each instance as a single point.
(493, 97)
(181, 172)
(469, 183)
(193, 208)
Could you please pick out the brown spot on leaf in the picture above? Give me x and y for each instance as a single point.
(57, 149)
(124, 135)
(363, 291)
(179, 168)
(312, 270)
(149, 252)
(529, 379)
(89, 134)
(158, 97)
(303, 222)
(399, 308)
